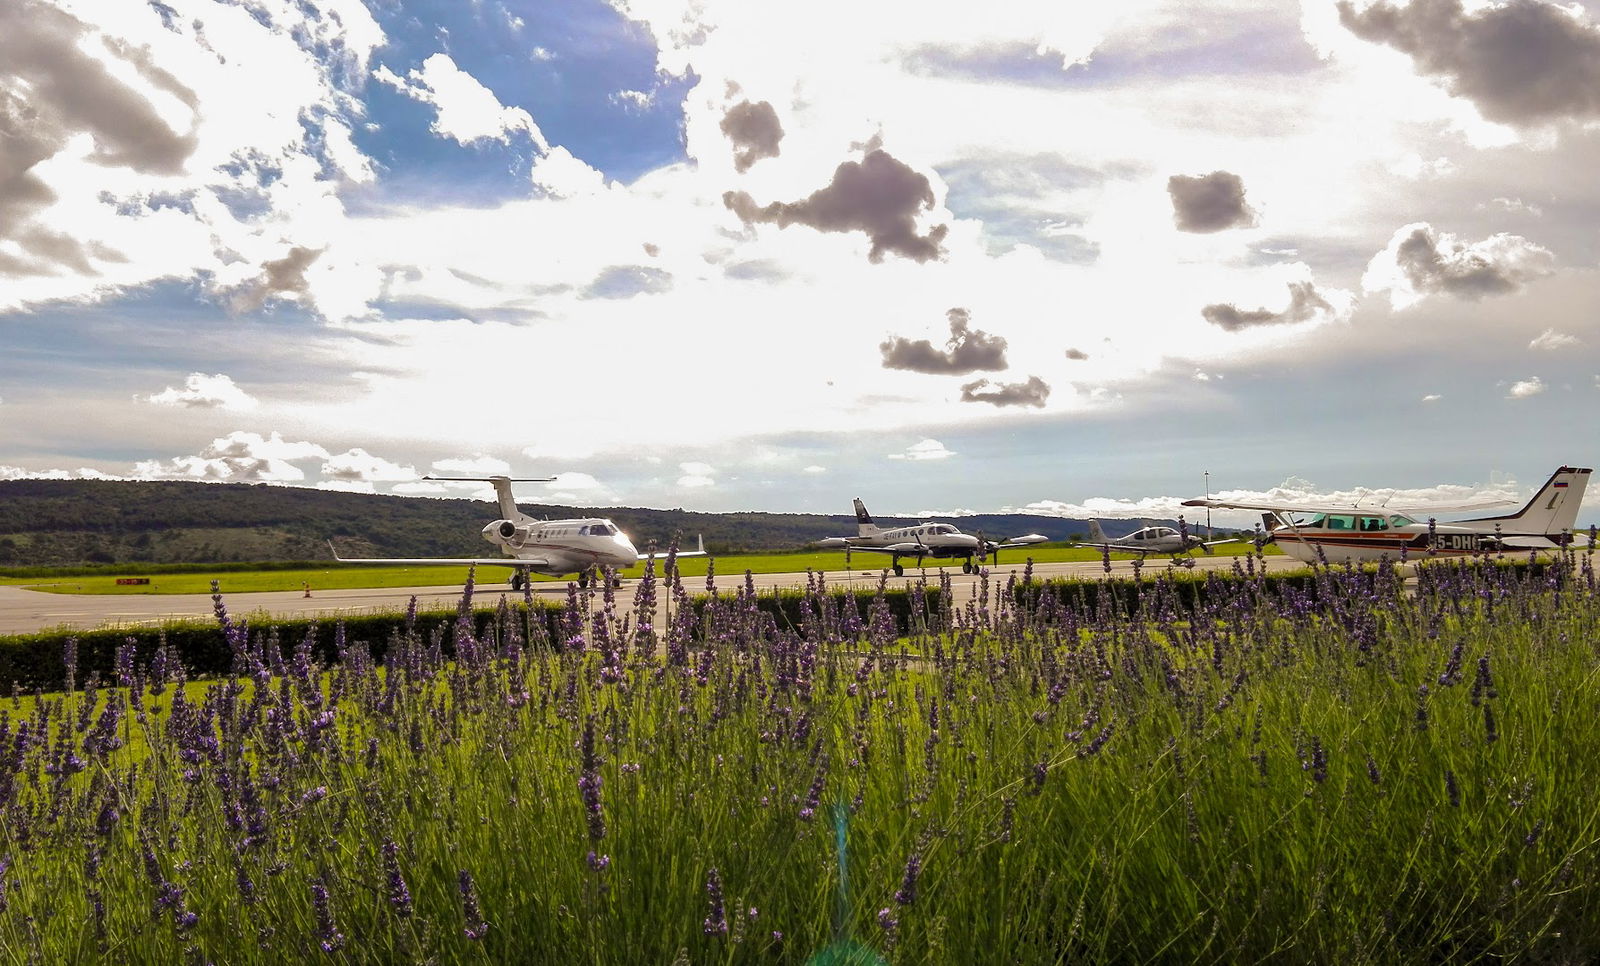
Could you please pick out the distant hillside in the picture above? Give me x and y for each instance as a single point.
(57, 522)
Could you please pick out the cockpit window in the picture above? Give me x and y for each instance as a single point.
(1370, 524)
(1315, 521)
(601, 530)
(1401, 520)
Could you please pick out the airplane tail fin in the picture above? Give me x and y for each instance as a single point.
(1096, 535)
(508, 503)
(502, 490)
(864, 525)
(1553, 509)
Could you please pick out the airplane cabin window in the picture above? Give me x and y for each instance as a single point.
(1341, 522)
(1369, 524)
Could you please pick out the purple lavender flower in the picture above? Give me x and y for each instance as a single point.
(715, 924)
(589, 782)
(399, 895)
(886, 920)
(907, 893)
(328, 935)
(476, 926)
(814, 794)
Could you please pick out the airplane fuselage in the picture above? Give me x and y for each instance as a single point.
(1370, 537)
(934, 540)
(562, 546)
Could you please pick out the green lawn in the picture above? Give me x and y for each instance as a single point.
(339, 576)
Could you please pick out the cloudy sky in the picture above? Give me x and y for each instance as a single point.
(731, 256)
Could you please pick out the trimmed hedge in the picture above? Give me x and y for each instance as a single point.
(37, 661)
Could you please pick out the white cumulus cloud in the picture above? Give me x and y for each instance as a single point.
(468, 111)
(356, 465)
(1552, 341)
(696, 475)
(477, 465)
(1523, 388)
(928, 449)
(201, 391)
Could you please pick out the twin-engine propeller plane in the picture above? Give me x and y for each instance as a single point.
(1149, 540)
(555, 548)
(927, 539)
(1353, 533)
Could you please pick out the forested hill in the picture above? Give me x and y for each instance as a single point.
(49, 522)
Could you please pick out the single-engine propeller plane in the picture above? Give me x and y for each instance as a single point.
(1355, 533)
(941, 541)
(555, 548)
(1149, 540)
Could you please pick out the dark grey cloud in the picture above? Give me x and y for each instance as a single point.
(1304, 304)
(626, 281)
(280, 276)
(1034, 392)
(1522, 62)
(968, 350)
(878, 195)
(68, 92)
(1077, 355)
(1472, 272)
(1210, 202)
(754, 131)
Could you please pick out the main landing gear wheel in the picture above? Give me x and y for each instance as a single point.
(966, 566)
(899, 571)
(519, 581)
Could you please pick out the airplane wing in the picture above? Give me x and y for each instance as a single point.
(903, 549)
(1349, 507)
(1535, 542)
(1024, 541)
(1115, 547)
(699, 551)
(445, 561)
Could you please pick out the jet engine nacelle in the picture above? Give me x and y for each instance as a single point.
(503, 532)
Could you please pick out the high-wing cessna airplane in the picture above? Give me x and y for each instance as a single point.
(926, 539)
(1150, 540)
(1363, 534)
(555, 548)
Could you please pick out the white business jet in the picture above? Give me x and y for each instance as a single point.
(555, 548)
(926, 539)
(1354, 533)
(1148, 540)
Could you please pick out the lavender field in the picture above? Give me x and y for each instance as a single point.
(1351, 770)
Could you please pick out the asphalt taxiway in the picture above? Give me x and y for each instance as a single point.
(25, 611)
